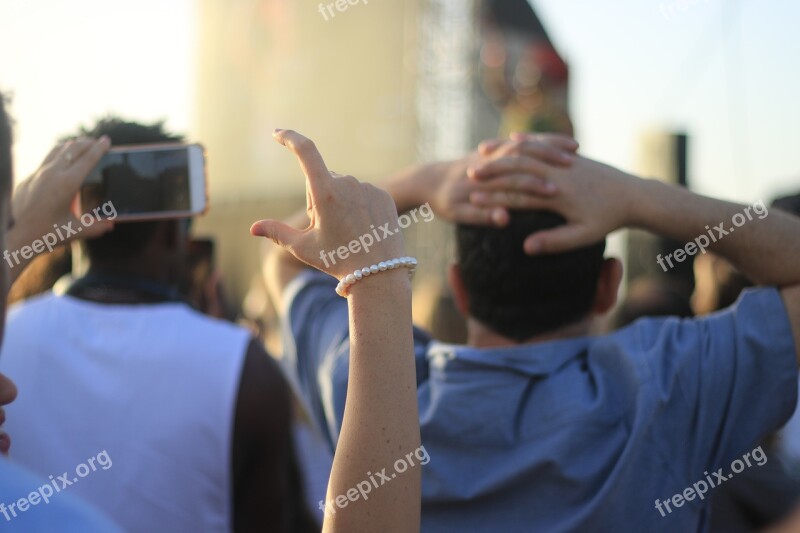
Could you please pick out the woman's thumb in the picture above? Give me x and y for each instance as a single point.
(275, 230)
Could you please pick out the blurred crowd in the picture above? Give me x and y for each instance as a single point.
(544, 404)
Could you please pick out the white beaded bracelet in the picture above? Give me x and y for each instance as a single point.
(343, 288)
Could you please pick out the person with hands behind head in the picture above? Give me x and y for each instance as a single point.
(747, 354)
(596, 199)
(380, 421)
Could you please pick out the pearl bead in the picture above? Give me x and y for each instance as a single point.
(343, 287)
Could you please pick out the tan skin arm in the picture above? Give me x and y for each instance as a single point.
(381, 422)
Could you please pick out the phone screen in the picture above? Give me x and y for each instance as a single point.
(140, 182)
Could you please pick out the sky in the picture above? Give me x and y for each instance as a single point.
(68, 63)
(721, 70)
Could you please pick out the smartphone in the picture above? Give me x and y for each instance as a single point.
(149, 181)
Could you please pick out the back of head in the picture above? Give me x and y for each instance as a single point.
(520, 296)
(127, 239)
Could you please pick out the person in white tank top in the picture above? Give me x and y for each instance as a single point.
(193, 414)
(47, 197)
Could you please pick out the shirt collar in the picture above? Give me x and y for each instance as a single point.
(539, 359)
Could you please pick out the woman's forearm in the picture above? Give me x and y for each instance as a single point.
(381, 424)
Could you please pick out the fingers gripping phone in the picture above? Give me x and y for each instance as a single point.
(149, 181)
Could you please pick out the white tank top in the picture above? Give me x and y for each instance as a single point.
(154, 386)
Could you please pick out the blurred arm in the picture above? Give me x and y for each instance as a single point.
(281, 267)
(267, 490)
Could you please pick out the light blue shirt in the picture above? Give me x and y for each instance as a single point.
(583, 434)
(789, 442)
(58, 511)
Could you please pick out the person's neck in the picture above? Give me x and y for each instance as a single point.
(123, 294)
(480, 336)
(133, 270)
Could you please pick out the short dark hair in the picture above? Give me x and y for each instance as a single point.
(521, 296)
(6, 171)
(127, 239)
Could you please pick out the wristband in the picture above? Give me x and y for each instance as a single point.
(343, 288)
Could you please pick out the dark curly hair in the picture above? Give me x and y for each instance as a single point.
(521, 296)
(127, 239)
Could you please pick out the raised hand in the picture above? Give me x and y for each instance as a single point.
(48, 197)
(594, 198)
(447, 186)
(46, 202)
(380, 416)
(340, 210)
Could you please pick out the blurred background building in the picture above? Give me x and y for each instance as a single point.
(442, 76)
(385, 84)
(271, 62)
